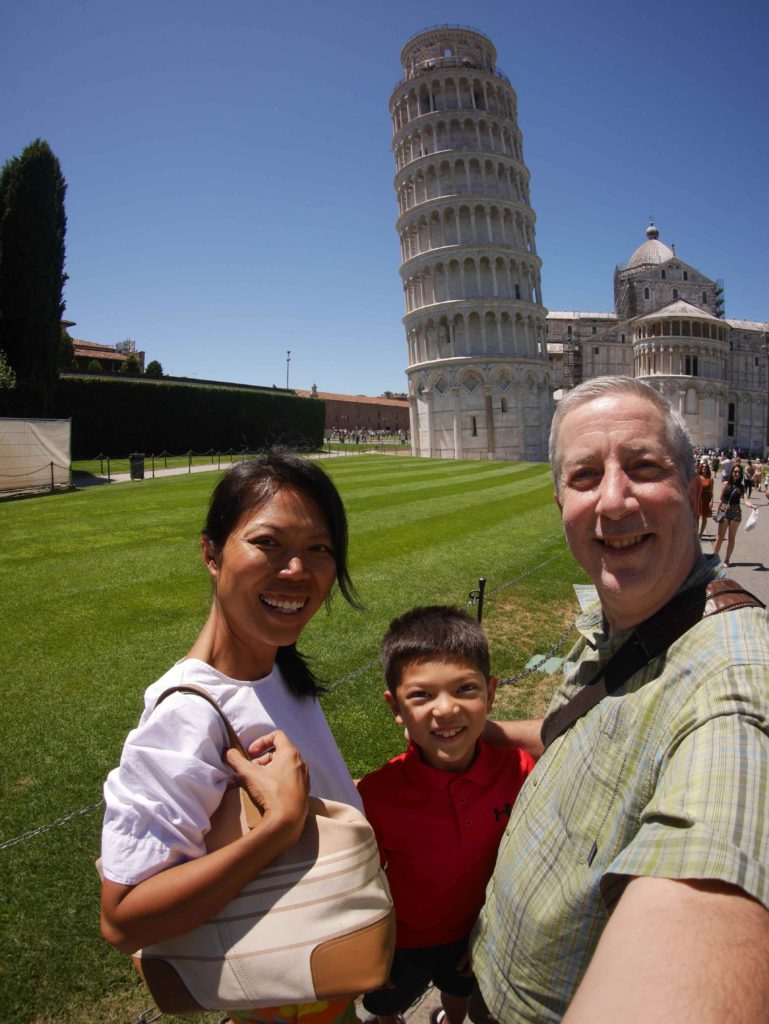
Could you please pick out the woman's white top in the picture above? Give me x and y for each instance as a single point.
(171, 775)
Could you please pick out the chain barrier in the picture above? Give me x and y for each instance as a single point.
(528, 572)
(550, 654)
(153, 1013)
(362, 670)
(44, 468)
(54, 824)
(351, 675)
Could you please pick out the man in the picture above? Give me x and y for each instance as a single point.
(632, 880)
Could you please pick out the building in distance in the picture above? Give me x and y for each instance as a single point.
(668, 329)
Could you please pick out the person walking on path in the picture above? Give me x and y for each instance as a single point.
(706, 494)
(748, 477)
(732, 494)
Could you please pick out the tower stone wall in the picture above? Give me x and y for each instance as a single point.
(477, 370)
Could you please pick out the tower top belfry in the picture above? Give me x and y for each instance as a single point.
(447, 46)
(475, 324)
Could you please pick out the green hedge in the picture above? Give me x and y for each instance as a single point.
(121, 416)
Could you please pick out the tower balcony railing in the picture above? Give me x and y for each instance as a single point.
(440, 63)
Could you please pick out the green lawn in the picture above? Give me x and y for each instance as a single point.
(103, 589)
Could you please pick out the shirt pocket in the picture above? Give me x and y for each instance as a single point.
(592, 767)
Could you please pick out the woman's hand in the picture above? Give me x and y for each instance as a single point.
(277, 780)
(181, 897)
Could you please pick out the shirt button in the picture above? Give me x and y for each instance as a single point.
(462, 800)
(468, 822)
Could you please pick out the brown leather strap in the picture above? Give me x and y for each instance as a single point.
(232, 736)
(649, 639)
(726, 594)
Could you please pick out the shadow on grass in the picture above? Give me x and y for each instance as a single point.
(42, 493)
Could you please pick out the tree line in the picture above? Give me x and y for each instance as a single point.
(33, 343)
(33, 225)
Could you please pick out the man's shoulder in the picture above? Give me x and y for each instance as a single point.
(739, 635)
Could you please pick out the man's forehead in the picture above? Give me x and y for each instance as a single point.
(618, 424)
(617, 413)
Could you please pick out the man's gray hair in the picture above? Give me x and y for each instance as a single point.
(676, 432)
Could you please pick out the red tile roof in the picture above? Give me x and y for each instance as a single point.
(95, 351)
(363, 399)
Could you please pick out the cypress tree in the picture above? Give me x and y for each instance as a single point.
(32, 229)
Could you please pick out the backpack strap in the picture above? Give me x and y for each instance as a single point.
(648, 640)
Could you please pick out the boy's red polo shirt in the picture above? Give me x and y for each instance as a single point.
(438, 834)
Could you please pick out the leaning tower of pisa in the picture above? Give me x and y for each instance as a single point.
(475, 323)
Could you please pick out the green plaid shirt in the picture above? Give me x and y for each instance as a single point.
(668, 777)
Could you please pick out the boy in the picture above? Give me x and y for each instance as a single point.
(439, 810)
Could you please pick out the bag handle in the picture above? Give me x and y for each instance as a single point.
(649, 639)
(232, 736)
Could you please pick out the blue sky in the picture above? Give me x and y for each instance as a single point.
(230, 174)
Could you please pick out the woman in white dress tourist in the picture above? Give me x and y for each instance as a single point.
(274, 543)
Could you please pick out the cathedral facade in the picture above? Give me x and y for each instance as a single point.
(668, 329)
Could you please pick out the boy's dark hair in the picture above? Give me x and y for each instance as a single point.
(437, 632)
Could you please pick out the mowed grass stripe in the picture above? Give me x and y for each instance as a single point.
(436, 521)
(418, 474)
(437, 488)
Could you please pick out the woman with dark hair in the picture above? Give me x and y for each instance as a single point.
(731, 495)
(706, 493)
(274, 543)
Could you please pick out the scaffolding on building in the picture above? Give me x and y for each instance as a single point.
(720, 307)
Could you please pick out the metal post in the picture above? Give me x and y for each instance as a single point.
(153, 465)
(476, 597)
(481, 589)
(109, 479)
(189, 461)
(288, 360)
(51, 478)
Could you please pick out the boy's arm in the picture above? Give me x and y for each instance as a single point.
(367, 793)
(523, 733)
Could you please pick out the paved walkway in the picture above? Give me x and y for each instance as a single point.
(213, 467)
(750, 560)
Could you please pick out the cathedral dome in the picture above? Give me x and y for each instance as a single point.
(652, 251)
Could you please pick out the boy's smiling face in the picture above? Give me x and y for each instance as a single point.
(443, 705)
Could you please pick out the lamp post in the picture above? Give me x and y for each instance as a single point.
(288, 360)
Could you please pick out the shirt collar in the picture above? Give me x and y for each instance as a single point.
(590, 622)
(426, 777)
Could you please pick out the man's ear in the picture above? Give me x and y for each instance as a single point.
(491, 692)
(392, 703)
(209, 557)
(557, 500)
(694, 491)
